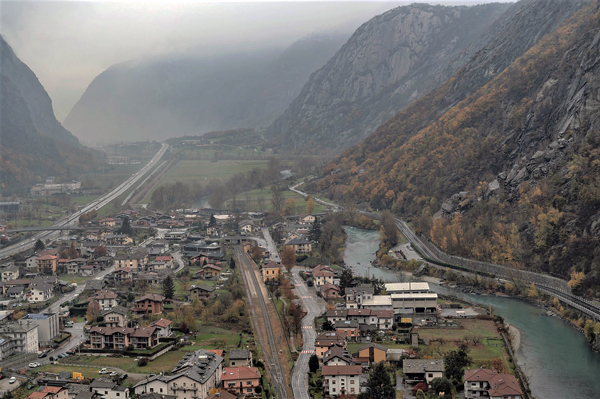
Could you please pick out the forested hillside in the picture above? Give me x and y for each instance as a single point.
(33, 144)
(511, 172)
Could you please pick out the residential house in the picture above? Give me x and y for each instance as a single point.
(46, 263)
(106, 299)
(385, 319)
(220, 395)
(193, 377)
(87, 270)
(300, 245)
(241, 379)
(124, 274)
(422, 370)
(306, 218)
(333, 315)
(9, 272)
(322, 275)
(163, 327)
(16, 293)
(340, 380)
(330, 291)
(356, 295)
(136, 260)
(246, 227)
(209, 271)
(107, 222)
(240, 357)
(166, 259)
(271, 271)
(23, 336)
(201, 292)
(347, 327)
(40, 293)
(115, 316)
(487, 383)
(144, 337)
(31, 262)
(326, 340)
(118, 239)
(72, 266)
(149, 304)
(374, 352)
(337, 356)
(110, 337)
(50, 392)
(109, 390)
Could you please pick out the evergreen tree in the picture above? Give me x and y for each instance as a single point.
(168, 288)
(379, 384)
(328, 326)
(454, 362)
(125, 227)
(213, 221)
(315, 231)
(39, 246)
(346, 279)
(313, 363)
(232, 263)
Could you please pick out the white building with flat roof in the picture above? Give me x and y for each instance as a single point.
(402, 288)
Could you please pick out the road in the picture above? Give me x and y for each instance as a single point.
(300, 371)
(263, 323)
(73, 219)
(270, 245)
(545, 283)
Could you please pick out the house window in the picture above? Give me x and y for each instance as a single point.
(249, 390)
(151, 389)
(161, 390)
(118, 394)
(430, 375)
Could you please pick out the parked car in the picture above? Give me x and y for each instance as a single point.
(51, 358)
(43, 354)
(114, 374)
(12, 380)
(103, 370)
(32, 365)
(123, 377)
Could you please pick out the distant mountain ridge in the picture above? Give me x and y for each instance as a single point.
(33, 144)
(389, 62)
(179, 96)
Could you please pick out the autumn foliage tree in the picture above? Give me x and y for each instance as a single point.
(93, 311)
(288, 257)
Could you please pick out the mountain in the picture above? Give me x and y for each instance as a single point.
(33, 143)
(180, 95)
(35, 96)
(510, 172)
(389, 62)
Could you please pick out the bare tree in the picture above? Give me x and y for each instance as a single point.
(288, 257)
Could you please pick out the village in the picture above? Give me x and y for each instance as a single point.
(153, 305)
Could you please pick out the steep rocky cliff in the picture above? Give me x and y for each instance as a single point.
(34, 94)
(33, 144)
(186, 95)
(512, 170)
(389, 62)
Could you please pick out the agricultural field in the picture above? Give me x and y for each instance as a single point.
(262, 199)
(202, 171)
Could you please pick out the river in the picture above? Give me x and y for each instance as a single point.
(556, 358)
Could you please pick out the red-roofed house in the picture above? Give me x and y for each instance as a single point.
(487, 383)
(241, 379)
(163, 326)
(330, 291)
(322, 275)
(209, 271)
(338, 380)
(56, 392)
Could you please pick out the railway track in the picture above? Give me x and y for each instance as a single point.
(270, 352)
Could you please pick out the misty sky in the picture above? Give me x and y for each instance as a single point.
(67, 44)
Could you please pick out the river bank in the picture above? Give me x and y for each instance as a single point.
(556, 359)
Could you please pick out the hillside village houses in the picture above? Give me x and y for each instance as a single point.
(193, 377)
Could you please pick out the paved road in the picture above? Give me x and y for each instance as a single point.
(177, 257)
(300, 371)
(270, 245)
(73, 219)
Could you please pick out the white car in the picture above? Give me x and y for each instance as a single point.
(114, 374)
(33, 365)
(103, 371)
(12, 380)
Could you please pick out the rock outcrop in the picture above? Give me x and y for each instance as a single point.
(389, 62)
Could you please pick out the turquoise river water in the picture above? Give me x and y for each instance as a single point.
(556, 358)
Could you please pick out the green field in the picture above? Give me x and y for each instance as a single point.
(255, 196)
(113, 175)
(203, 171)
